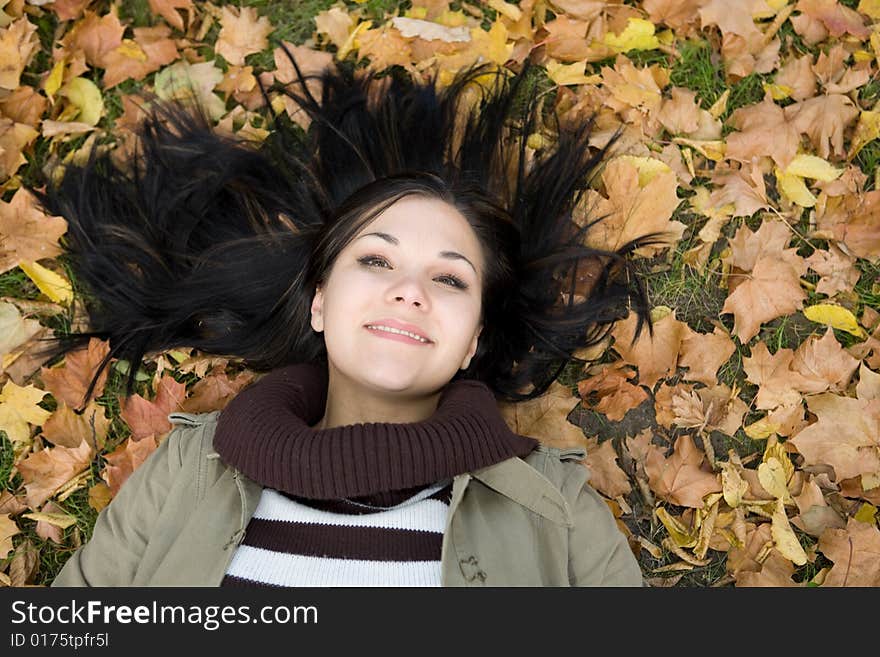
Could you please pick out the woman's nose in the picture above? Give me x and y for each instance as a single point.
(410, 291)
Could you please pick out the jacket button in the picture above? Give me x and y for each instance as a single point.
(471, 569)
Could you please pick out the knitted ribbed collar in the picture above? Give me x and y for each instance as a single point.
(264, 432)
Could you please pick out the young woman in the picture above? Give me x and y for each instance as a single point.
(395, 270)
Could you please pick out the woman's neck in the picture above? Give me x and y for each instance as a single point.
(346, 406)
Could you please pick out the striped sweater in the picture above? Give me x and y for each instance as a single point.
(359, 505)
(291, 543)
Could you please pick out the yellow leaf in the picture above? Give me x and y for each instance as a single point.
(638, 35)
(776, 449)
(866, 513)
(512, 12)
(862, 56)
(648, 169)
(732, 484)
(53, 285)
(61, 520)
(680, 535)
(835, 316)
(451, 18)
(352, 42)
(761, 429)
(18, 409)
(771, 474)
(86, 97)
(794, 189)
(870, 8)
(810, 166)
(784, 538)
(776, 5)
(777, 91)
(55, 78)
(564, 74)
(713, 150)
(492, 44)
(868, 127)
(131, 49)
(8, 529)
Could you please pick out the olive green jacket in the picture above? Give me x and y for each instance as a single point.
(520, 522)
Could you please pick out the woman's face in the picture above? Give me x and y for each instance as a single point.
(426, 273)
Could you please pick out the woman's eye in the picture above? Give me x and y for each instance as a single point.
(452, 281)
(370, 261)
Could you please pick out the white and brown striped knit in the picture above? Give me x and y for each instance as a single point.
(359, 505)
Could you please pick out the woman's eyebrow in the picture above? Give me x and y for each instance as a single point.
(449, 255)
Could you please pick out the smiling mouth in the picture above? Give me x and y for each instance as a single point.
(400, 336)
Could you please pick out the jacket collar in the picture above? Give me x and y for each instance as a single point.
(513, 478)
(522, 483)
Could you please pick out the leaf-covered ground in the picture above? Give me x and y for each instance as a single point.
(738, 446)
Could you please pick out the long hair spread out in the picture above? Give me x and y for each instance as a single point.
(201, 240)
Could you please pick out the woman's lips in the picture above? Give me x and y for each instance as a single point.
(397, 336)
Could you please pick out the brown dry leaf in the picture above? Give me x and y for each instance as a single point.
(69, 382)
(743, 188)
(168, 10)
(100, 495)
(631, 88)
(663, 401)
(836, 268)
(606, 475)
(29, 358)
(336, 23)
(65, 428)
(748, 557)
(25, 564)
(855, 552)
(95, 36)
(15, 330)
(384, 46)
(676, 14)
(797, 75)
(19, 409)
(11, 504)
(654, 357)
(679, 479)
(213, 392)
(852, 220)
(125, 459)
(8, 529)
(616, 394)
(824, 119)
(14, 138)
(51, 522)
(566, 39)
(151, 49)
(312, 63)
(763, 131)
(836, 18)
(681, 114)
(824, 363)
(28, 234)
(868, 386)
(772, 289)
(24, 105)
(545, 418)
(704, 353)
(244, 32)
(18, 43)
(46, 471)
(68, 10)
(778, 384)
(776, 571)
(846, 435)
(150, 418)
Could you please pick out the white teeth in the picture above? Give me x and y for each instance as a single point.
(394, 330)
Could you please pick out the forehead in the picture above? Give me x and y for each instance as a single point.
(429, 223)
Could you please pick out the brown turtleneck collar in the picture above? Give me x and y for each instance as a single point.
(264, 432)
